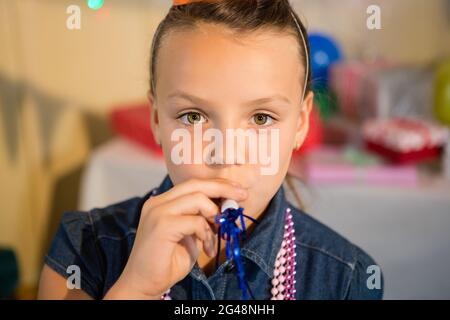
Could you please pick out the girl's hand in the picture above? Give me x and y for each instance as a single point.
(173, 228)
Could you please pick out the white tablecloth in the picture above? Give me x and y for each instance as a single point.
(119, 170)
(406, 230)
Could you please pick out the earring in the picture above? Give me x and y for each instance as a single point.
(297, 146)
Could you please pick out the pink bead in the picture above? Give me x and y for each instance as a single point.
(284, 270)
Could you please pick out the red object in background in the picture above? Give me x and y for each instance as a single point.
(402, 158)
(133, 123)
(404, 140)
(315, 134)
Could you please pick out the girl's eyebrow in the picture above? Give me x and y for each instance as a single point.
(266, 100)
(198, 100)
(183, 95)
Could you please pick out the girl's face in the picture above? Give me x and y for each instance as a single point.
(221, 80)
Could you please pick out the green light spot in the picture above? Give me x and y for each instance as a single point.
(95, 4)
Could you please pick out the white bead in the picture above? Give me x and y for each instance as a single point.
(275, 281)
(276, 272)
(280, 288)
(281, 278)
(274, 291)
(282, 269)
(277, 263)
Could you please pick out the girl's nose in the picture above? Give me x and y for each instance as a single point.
(232, 149)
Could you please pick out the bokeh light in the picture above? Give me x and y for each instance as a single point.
(95, 4)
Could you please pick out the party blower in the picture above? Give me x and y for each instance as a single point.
(229, 231)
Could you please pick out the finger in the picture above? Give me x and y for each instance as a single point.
(193, 246)
(186, 226)
(191, 204)
(212, 188)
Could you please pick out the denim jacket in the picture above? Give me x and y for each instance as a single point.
(328, 267)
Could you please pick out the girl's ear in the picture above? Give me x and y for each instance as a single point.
(154, 121)
(303, 120)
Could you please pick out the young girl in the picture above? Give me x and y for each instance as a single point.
(226, 64)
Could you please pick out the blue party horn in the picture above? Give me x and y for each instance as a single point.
(232, 234)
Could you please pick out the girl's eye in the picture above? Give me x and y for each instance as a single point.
(262, 119)
(191, 118)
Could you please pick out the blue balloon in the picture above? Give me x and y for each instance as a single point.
(324, 52)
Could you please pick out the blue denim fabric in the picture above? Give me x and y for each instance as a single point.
(328, 266)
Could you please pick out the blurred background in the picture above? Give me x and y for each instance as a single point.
(74, 128)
